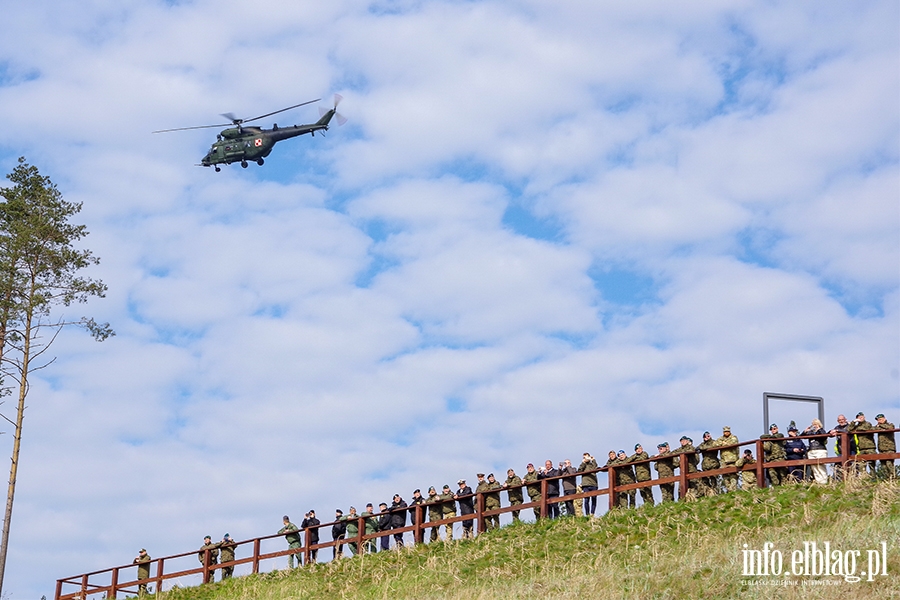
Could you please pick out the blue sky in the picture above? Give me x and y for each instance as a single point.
(544, 230)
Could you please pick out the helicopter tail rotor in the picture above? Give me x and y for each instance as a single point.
(341, 119)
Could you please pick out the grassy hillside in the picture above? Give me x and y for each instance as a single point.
(682, 550)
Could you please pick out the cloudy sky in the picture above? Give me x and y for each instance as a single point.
(546, 228)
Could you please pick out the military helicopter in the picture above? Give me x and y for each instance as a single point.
(242, 144)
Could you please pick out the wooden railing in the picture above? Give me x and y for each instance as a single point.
(123, 579)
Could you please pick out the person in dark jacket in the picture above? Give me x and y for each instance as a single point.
(385, 523)
(466, 507)
(338, 531)
(569, 486)
(417, 499)
(552, 487)
(398, 519)
(588, 483)
(311, 525)
(795, 450)
(818, 449)
(842, 427)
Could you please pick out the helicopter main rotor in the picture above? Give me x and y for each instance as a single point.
(236, 122)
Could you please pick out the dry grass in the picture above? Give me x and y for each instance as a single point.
(676, 551)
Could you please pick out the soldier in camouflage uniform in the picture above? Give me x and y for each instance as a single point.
(227, 546)
(625, 476)
(448, 511)
(748, 478)
(371, 527)
(213, 555)
(142, 560)
(865, 442)
(492, 501)
(435, 512)
(514, 492)
(642, 473)
(710, 462)
(728, 457)
(885, 442)
(588, 483)
(692, 458)
(534, 489)
(773, 450)
(352, 521)
(665, 466)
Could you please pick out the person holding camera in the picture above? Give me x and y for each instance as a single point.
(310, 524)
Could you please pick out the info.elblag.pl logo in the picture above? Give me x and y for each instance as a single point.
(815, 559)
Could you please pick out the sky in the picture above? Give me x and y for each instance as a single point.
(546, 228)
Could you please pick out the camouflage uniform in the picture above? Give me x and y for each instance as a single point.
(213, 556)
(227, 546)
(865, 442)
(435, 512)
(709, 462)
(748, 478)
(514, 494)
(448, 511)
(534, 491)
(641, 474)
(886, 443)
(692, 459)
(588, 484)
(352, 520)
(625, 476)
(728, 457)
(371, 527)
(666, 468)
(492, 502)
(774, 451)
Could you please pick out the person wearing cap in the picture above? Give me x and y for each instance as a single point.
(773, 450)
(588, 483)
(533, 488)
(748, 477)
(212, 551)
(514, 491)
(886, 443)
(371, 527)
(227, 546)
(818, 449)
(728, 456)
(416, 501)
(352, 530)
(625, 476)
(642, 473)
(293, 539)
(687, 448)
(492, 501)
(665, 467)
(398, 519)
(385, 523)
(709, 462)
(338, 531)
(865, 442)
(448, 510)
(842, 427)
(433, 501)
(795, 448)
(142, 560)
(466, 507)
(546, 472)
(310, 525)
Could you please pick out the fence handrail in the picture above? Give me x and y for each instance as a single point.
(417, 511)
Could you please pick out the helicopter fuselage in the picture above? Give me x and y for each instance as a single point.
(253, 144)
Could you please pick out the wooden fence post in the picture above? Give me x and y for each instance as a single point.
(611, 479)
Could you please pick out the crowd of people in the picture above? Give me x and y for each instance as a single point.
(561, 481)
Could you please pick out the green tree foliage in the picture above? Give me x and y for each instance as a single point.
(39, 268)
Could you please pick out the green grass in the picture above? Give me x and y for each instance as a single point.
(678, 550)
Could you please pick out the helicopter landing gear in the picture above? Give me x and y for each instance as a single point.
(218, 169)
(260, 162)
(244, 163)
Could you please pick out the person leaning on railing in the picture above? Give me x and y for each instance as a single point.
(533, 489)
(710, 462)
(466, 507)
(665, 467)
(642, 473)
(817, 450)
(213, 555)
(625, 476)
(885, 442)
(795, 449)
(865, 441)
(748, 478)
(514, 492)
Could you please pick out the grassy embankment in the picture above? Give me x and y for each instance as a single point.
(680, 550)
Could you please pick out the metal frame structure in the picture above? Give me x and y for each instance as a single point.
(792, 398)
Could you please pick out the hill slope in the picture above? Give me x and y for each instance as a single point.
(681, 550)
